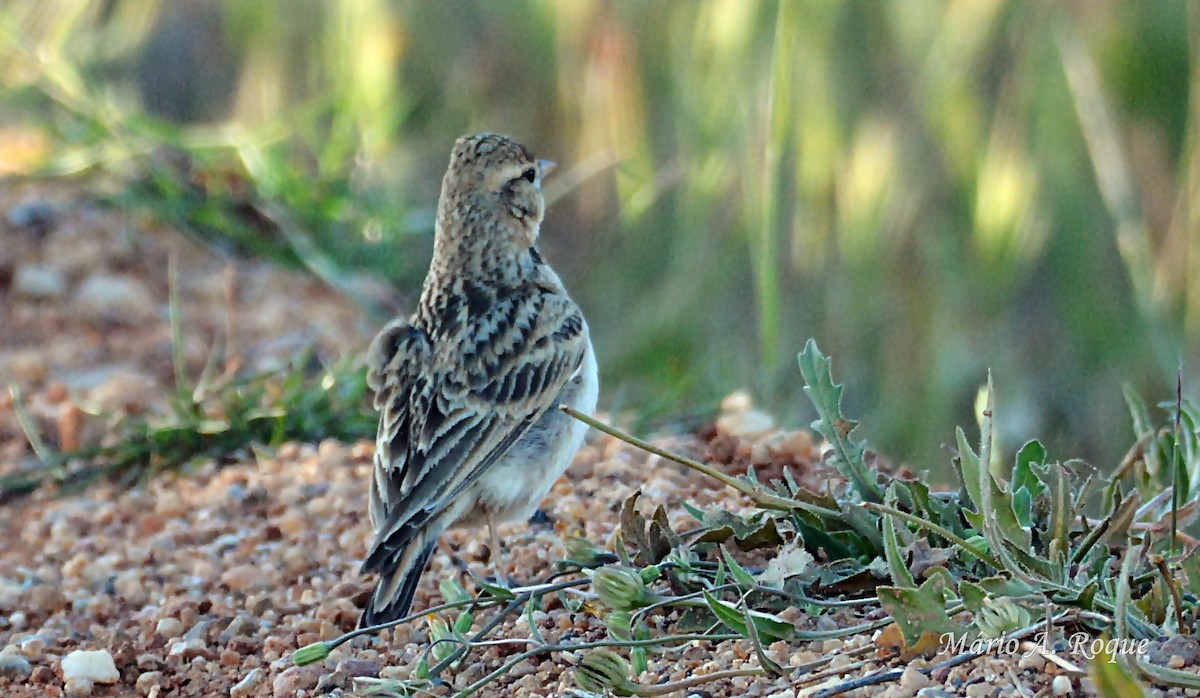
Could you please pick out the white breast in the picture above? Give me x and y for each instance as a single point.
(518, 482)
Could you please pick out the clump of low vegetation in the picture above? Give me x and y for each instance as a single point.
(1038, 546)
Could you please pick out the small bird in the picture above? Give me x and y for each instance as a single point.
(468, 386)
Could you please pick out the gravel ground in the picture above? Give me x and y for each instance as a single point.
(204, 583)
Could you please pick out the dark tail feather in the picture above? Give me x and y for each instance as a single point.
(393, 594)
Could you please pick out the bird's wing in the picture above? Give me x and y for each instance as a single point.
(464, 411)
(398, 363)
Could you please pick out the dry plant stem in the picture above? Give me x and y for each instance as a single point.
(1169, 580)
(546, 649)
(482, 603)
(835, 671)
(935, 528)
(763, 499)
(43, 452)
(1136, 451)
(1018, 684)
(1069, 667)
(495, 622)
(663, 689)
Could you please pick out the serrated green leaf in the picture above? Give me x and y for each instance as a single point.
(757, 531)
(919, 610)
(901, 577)
(826, 396)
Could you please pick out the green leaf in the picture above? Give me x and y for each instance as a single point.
(972, 596)
(752, 631)
(1062, 512)
(901, 577)
(495, 590)
(919, 610)
(696, 513)
(826, 396)
(1142, 424)
(866, 523)
(967, 466)
(1032, 453)
(452, 591)
(1005, 586)
(767, 626)
(751, 533)
(1022, 503)
(743, 578)
(1026, 487)
(463, 623)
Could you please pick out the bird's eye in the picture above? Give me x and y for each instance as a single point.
(529, 175)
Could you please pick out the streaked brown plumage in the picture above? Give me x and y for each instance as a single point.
(467, 387)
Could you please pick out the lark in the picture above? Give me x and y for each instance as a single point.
(468, 387)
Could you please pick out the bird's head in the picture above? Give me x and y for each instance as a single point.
(492, 188)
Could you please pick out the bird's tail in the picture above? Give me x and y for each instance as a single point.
(398, 579)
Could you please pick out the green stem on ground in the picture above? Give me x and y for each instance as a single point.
(761, 498)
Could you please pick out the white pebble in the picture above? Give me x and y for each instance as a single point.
(117, 297)
(78, 687)
(747, 425)
(246, 686)
(169, 627)
(37, 281)
(95, 666)
(1061, 686)
(13, 664)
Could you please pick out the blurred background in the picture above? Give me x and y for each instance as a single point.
(928, 189)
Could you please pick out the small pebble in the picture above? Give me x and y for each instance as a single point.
(33, 647)
(1061, 686)
(78, 688)
(37, 217)
(95, 666)
(295, 679)
(246, 686)
(189, 649)
(148, 681)
(38, 282)
(169, 627)
(913, 679)
(359, 667)
(13, 664)
(119, 298)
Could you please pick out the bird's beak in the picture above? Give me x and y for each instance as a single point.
(545, 167)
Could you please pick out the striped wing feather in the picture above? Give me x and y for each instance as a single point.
(451, 405)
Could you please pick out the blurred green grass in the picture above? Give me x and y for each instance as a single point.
(930, 189)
